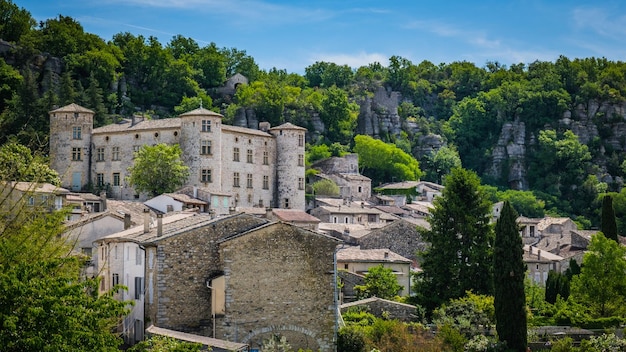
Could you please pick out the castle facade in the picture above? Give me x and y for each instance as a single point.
(232, 166)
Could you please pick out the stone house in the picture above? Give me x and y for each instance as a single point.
(234, 165)
(238, 278)
(401, 237)
(344, 171)
(359, 261)
(169, 202)
(347, 214)
(294, 217)
(540, 263)
(37, 196)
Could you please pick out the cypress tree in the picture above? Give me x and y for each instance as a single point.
(608, 225)
(509, 274)
(461, 243)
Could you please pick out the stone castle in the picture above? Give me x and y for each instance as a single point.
(233, 166)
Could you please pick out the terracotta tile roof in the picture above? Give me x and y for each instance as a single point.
(36, 187)
(356, 254)
(200, 112)
(244, 130)
(294, 215)
(126, 126)
(72, 108)
(400, 185)
(288, 126)
(183, 198)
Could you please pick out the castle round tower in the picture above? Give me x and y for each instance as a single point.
(201, 143)
(289, 178)
(70, 145)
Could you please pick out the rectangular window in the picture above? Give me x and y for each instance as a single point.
(76, 154)
(100, 154)
(116, 179)
(206, 125)
(235, 154)
(286, 203)
(266, 182)
(205, 176)
(300, 160)
(77, 132)
(205, 147)
(249, 156)
(249, 181)
(136, 150)
(31, 200)
(300, 140)
(138, 256)
(115, 279)
(115, 153)
(266, 158)
(99, 180)
(236, 179)
(138, 287)
(300, 182)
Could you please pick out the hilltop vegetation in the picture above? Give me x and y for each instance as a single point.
(553, 131)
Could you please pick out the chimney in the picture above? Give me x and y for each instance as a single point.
(126, 221)
(231, 210)
(386, 255)
(539, 254)
(146, 220)
(159, 225)
(268, 212)
(558, 247)
(195, 191)
(103, 197)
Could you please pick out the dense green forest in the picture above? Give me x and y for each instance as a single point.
(548, 136)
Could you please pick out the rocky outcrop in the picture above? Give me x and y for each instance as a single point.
(509, 155)
(378, 115)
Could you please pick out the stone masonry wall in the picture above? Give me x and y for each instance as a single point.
(279, 280)
(183, 264)
(401, 237)
(388, 309)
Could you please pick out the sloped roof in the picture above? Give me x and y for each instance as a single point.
(201, 112)
(288, 126)
(126, 125)
(356, 254)
(183, 198)
(36, 187)
(203, 340)
(400, 185)
(294, 215)
(244, 130)
(72, 108)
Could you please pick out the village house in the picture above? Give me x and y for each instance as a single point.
(359, 261)
(233, 166)
(44, 197)
(344, 171)
(540, 263)
(238, 278)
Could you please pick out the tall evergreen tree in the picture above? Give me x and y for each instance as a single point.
(460, 255)
(608, 225)
(509, 273)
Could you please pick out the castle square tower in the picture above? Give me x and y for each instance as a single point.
(70, 145)
(290, 193)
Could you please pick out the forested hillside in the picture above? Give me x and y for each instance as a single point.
(548, 133)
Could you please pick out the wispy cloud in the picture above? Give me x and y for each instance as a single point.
(601, 21)
(470, 36)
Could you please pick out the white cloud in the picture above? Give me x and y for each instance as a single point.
(600, 21)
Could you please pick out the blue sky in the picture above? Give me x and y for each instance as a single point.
(292, 35)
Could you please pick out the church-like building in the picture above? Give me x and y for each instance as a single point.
(229, 166)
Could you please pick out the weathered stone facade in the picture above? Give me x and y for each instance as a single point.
(279, 280)
(401, 237)
(235, 165)
(177, 267)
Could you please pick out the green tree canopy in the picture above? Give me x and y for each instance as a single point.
(325, 187)
(601, 284)
(384, 162)
(509, 272)
(379, 282)
(158, 169)
(460, 256)
(17, 163)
